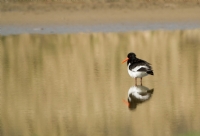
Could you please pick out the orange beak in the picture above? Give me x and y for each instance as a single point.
(125, 102)
(125, 60)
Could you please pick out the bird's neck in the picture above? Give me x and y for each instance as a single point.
(131, 61)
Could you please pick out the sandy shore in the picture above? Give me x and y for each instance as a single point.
(97, 13)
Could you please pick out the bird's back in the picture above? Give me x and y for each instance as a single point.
(139, 62)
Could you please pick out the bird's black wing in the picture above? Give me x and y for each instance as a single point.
(138, 62)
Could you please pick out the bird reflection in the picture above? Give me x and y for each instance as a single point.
(138, 94)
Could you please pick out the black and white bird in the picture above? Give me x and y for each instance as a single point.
(137, 95)
(137, 68)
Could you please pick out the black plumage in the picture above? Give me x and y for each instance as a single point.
(134, 62)
(137, 68)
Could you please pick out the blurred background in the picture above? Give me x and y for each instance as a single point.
(65, 84)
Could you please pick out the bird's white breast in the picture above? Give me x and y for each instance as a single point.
(134, 73)
(136, 90)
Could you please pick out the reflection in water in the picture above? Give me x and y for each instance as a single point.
(138, 94)
(73, 84)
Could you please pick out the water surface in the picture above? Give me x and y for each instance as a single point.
(75, 84)
(113, 27)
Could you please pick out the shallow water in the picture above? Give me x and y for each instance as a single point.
(113, 27)
(75, 84)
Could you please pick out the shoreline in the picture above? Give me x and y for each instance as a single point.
(67, 18)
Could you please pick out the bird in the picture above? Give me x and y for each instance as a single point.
(136, 95)
(137, 68)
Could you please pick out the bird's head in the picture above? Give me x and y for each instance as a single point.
(130, 56)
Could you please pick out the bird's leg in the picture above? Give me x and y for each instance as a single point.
(136, 81)
(141, 81)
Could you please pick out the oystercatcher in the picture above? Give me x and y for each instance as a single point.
(136, 95)
(137, 68)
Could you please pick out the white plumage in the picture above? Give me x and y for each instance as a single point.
(134, 73)
(138, 94)
(136, 91)
(137, 68)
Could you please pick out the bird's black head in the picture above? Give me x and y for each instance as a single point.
(132, 103)
(131, 55)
